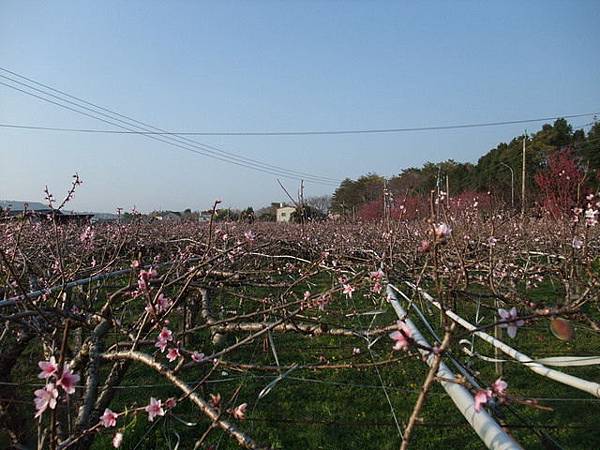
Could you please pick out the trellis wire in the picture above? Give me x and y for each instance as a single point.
(490, 432)
(556, 375)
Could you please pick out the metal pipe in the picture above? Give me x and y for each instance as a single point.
(490, 432)
(556, 375)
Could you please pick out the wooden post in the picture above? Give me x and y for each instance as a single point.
(447, 192)
(523, 178)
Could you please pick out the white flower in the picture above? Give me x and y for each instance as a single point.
(511, 321)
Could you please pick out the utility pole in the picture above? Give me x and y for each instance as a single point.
(523, 178)
(385, 201)
(447, 192)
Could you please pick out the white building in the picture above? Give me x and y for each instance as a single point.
(284, 214)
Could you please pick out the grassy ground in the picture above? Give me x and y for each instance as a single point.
(348, 409)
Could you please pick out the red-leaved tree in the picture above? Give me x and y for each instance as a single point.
(559, 183)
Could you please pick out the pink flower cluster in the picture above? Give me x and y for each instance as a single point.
(144, 279)
(377, 277)
(402, 337)
(160, 306)
(164, 337)
(498, 389)
(87, 236)
(162, 341)
(47, 396)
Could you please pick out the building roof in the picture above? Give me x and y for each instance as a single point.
(20, 205)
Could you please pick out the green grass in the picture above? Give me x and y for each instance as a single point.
(347, 409)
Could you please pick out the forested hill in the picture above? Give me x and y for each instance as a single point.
(554, 145)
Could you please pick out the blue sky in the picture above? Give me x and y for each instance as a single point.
(254, 66)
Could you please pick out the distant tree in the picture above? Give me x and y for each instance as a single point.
(588, 152)
(350, 195)
(372, 210)
(228, 215)
(494, 172)
(307, 214)
(410, 207)
(266, 214)
(560, 183)
(187, 214)
(248, 215)
(321, 203)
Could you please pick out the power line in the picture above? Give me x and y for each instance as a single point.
(145, 127)
(177, 139)
(177, 143)
(181, 146)
(294, 133)
(183, 143)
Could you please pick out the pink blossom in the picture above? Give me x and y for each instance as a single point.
(173, 354)
(87, 235)
(424, 246)
(481, 398)
(377, 275)
(442, 231)
(109, 418)
(215, 400)
(170, 403)
(239, 412)
(162, 345)
(499, 386)
(323, 301)
(117, 440)
(348, 290)
(154, 409)
(67, 381)
(512, 321)
(165, 334)
(163, 338)
(44, 398)
(163, 303)
(249, 235)
(402, 337)
(49, 368)
(198, 357)
(144, 277)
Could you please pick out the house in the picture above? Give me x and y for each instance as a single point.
(205, 215)
(284, 213)
(36, 212)
(173, 216)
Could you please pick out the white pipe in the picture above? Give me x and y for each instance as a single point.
(556, 375)
(493, 436)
